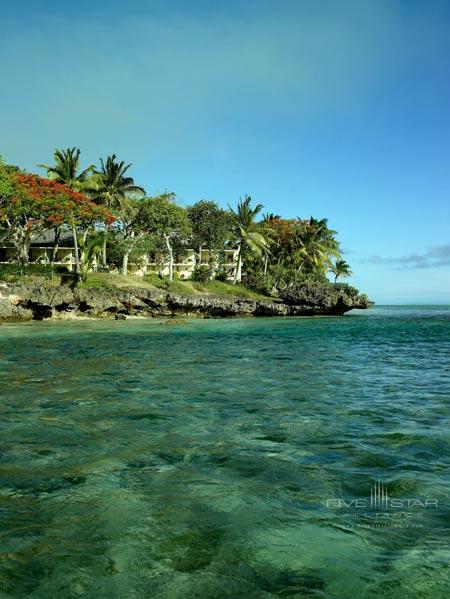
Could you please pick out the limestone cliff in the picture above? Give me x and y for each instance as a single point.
(37, 301)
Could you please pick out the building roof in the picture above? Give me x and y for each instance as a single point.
(46, 239)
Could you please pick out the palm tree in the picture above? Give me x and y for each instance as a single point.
(270, 216)
(316, 245)
(250, 236)
(114, 189)
(66, 170)
(266, 224)
(90, 249)
(340, 268)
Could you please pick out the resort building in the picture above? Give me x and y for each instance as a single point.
(41, 252)
(185, 262)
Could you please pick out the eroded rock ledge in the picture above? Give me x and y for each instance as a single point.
(40, 301)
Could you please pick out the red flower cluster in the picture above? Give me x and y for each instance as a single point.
(282, 229)
(51, 203)
(40, 188)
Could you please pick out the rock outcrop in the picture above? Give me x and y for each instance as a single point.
(38, 301)
(329, 299)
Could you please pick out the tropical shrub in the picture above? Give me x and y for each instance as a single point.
(264, 284)
(221, 276)
(114, 250)
(203, 273)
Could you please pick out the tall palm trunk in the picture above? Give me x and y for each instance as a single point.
(75, 247)
(169, 249)
(266, 264)
(237, 272)
(105, 242)
(84, 259)
(125, 259)
(129, 246)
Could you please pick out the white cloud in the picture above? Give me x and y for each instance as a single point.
(434, 256)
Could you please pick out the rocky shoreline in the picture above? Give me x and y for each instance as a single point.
(39, 301)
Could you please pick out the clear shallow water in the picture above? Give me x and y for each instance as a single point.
(211, 459)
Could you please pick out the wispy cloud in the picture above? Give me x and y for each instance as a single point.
(434, 256)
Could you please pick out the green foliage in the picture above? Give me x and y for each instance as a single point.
(10, 168)
(166, 223)
(272, 253)
(279, 277)
(250, 236)
(108, 280)
(203, 273)
(6, 183)
(175, 286)
(340, 268)
(117, 245)
(222, 288)
(193, 287)
(113, 188)
(221, 276)
(96, 281)
(210, 225)
(30, 205)
(318, 293)
(23, 270)
(115, 249)
(157, 280)
(342, 286)
(161, 218)
(308, 246)
(263, 284)
(352, 291)
(66, 169)
(90, 249)
(317, 246)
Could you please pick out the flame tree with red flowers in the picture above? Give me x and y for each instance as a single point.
(30, 205)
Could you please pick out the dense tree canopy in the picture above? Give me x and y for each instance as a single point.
(30, 204)
(210, 225)
(166, 223)
(272, 251)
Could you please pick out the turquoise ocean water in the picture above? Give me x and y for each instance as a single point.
(249, 458)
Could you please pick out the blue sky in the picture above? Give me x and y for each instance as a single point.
(338, 109)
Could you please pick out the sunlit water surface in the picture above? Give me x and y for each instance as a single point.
(211, 459)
